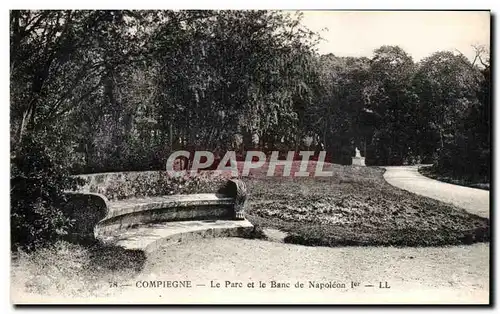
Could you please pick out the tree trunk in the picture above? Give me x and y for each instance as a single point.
(441, 139)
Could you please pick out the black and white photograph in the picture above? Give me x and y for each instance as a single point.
(221, 156)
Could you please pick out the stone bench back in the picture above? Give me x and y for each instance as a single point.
(109, 202)
(125, 185)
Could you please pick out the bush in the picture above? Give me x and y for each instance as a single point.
(37, 187)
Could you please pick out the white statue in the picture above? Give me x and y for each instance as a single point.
(255, 139)
(358, 155)
(358, 160)
(308, 141)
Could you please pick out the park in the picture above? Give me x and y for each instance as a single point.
(217, 156)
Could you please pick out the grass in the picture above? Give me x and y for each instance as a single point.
(73, 270)
(430, 172)
(356, 206)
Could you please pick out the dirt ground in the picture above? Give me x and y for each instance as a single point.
(453, 274)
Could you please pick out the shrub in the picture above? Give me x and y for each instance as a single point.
(37, 187)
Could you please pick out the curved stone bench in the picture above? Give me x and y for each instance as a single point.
(145, 222)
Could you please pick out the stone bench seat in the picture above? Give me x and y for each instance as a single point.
(126, 206)
(150, 237)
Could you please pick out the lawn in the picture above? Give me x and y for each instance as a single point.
(356, 206)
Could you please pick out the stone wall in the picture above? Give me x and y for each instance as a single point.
(122, 185)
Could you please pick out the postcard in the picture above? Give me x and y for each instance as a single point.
(250, 157)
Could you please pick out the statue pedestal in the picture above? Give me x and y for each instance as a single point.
(358, 161)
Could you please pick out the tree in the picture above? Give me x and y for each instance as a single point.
(57, 74)
(231, 72)
(48, 63)
(447, 86)
(456, 94)
(339, 102)
(389, 95)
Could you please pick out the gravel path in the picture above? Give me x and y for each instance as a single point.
(475, 201)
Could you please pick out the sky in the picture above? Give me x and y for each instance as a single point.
(419, 33)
